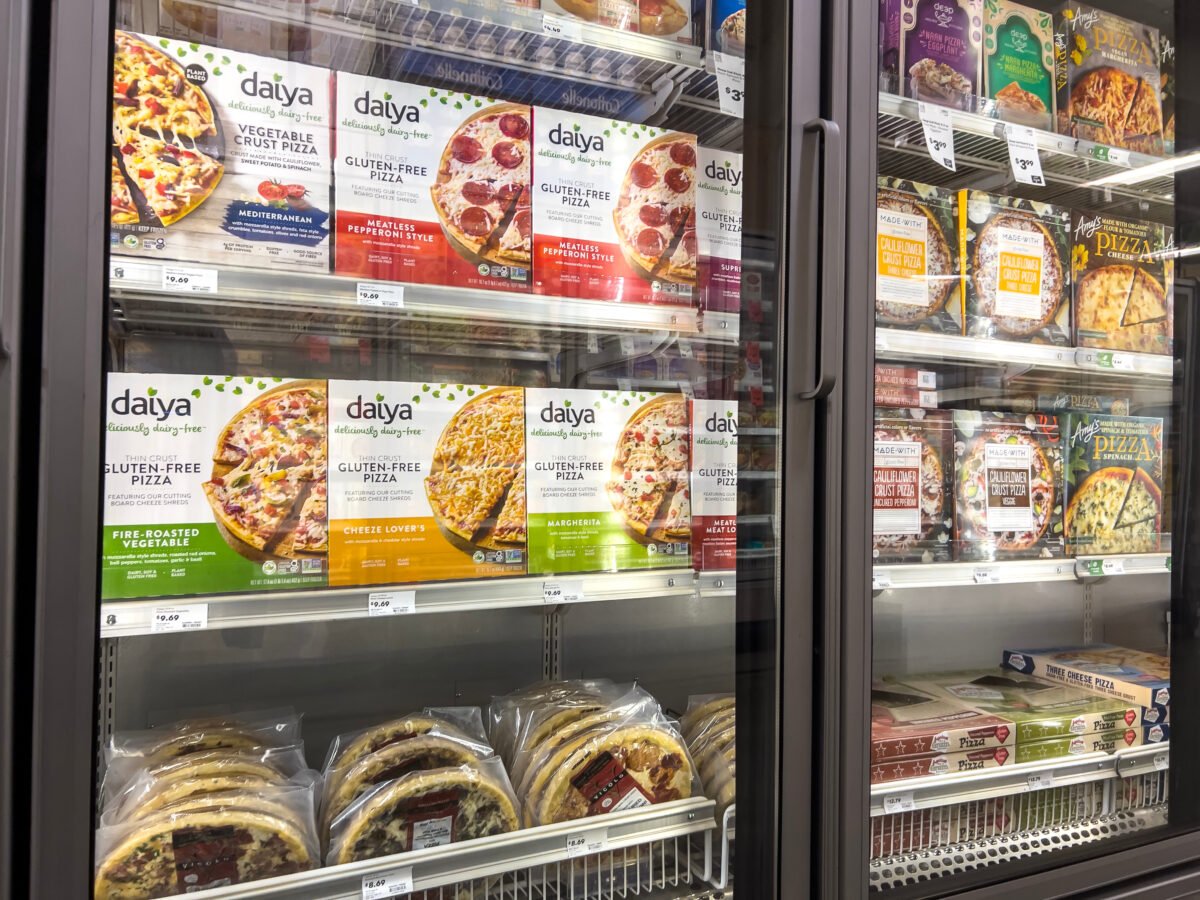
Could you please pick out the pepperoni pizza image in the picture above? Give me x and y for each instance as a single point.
(655, 217)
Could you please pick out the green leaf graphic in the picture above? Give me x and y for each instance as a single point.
(181, 53)
(209, 57)
(241, 69)
(195, 392)
(424, 103)
(207, 380)
(277, 77)
(195, 47)
(237, 390)
(459, 386)
(229, 378)
(387, 96)
(164, 43)
(261, 385)
(416, 399)
(457, 105)
(153, 392)
(444, 101)
(217, 70)
(379, 398)
(225, 60)
(449, 396)
(221, 388)
(437, 394)
(566, 403)
(249, 379)
(425, 388)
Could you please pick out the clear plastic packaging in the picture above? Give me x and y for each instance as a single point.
(700, 707)
(509, 715)
(464, 723)
(245, 731)
(710, 728)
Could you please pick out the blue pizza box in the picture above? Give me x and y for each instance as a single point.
(1135, 676)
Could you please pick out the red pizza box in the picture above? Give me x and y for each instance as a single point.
(940, 764)
(615, 217)
(905, 376)
(905, 398)
(714, 477)
(432, 186)
(908, 722)
(719, 229)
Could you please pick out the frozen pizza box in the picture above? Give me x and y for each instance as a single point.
(1156, 734)
(889, 46)
(905, 377)
(1123, 288)
(1108, 79)
(1133, 676)
(1008, 485)
(607, 480)
(213, 484)
(727, 27)
(940, 764)
(908, 722)
(1018, 63)
(615, 211)
(905, 398)
(1166, 82)
(1078, 744)
(1155, 715)
(918, 284)
(426, 482)
(913, 518)
(1016, 271)
(940, 51)
(219, 156)
(714, 478)
(432, 186)
(1038, 709)
(619, 14)
(1114, 484)
(1083, 403)
(719, 229)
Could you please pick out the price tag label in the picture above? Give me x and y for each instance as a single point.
(1023, 155)
(939, 133)
(898, 803)
(593, 343)
(563, 591)
(731, 83)
(391, 603)
(179, 618)
(583, 843)
(381, 293)
(987, 576)
(685, 349)
(389, 884)
(1039, 781)
(1121, 362)
(881, 581)
(626, 345)
(1162, 761)
(1112, 566)
(562, 28)
(190, 280)
(1114, 155)
(124, 270)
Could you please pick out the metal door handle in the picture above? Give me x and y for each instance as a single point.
(832, 304)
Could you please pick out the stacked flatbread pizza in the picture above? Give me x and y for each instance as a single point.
(709, 729)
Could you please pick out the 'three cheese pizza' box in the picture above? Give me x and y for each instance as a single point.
(719, 229)
(907, 722)
(614, 214)
(608, 480)
(432, 186)
(427, 482)
(1132, 676)
(212, 484)
(714, 484)
(219, 156)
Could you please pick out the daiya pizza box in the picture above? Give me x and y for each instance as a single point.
(1114, 484)
(940, 764)
(913, 505)
(212, 484)
(614, 212)
(719, 229)
(219, 157)
(607, 480)
(908, 722)
(1018, 63)
(1133, 676)
(426, 481)
(1078, 744)
(940, 51)
(432, 186)
(714, 464)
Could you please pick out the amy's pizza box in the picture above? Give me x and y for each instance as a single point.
(1008, 485)
(615, 211)
(432, 186)
(727, 27)
(1039, 710)
(719, 229)
(912, 498)
(1136, 677)
(940, 764)
(1114, 484)
(212, 484)
(1018, 63)
(607, 480)
(1078, 744)
(714, 478)
(426, 481)
(908, 722)
(1107, 77)
(219, 156)
(940, 51)
(1166, 82)
(1122, 295)
(1016, 270)
(917, 278)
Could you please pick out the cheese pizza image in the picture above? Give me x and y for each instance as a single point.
(650, 487)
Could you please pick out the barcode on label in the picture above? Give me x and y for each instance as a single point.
(391, 603)
(388, 884)
(381, 294)
(897, 803)
(179, 618)
(582, 843)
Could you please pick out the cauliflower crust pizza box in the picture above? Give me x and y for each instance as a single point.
(1108, 79)
(940, 51)
(905, 377)
(615, 211)
(213, 484)
(1132, 676)
(940, 764)
(1008, 486)
(1114, 485)
(433, 186)
(608, 480)
(719, 229)
(714, 484)
(1078, 744)
(908, 722)
(913, 505)
(218, 156)
(1123, 287)
(1018, 63)
(428, 482)
(1016, 275)
(917, 278)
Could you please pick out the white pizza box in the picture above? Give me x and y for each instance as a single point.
(160, 536)
(572, 439)
(271, 206)
(582, 165)
(1133, 676)
(383, 437)
(714, 484)
(391, 138)
(719, 228)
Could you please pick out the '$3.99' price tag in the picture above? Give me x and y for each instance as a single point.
(731, 83)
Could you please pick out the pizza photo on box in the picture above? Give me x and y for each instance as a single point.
(650, 487)
(913, 516)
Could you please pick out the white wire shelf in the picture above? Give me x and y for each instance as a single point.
(1017, 571)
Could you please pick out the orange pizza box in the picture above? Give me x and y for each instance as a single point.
(615, 217)
(213, 484)
(714, 484)
(432, 186)
(608, 480)
(427, 482)
(219, 156)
